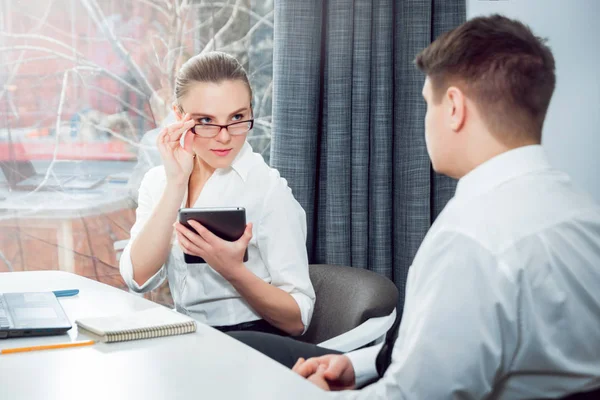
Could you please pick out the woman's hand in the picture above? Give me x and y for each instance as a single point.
(227, 258)
(178, 161)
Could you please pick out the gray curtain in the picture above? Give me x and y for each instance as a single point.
(348, 126)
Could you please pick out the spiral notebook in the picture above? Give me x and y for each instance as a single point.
(151, 323)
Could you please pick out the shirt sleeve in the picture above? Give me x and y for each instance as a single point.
(144, 210)
(282, 245)
(363, 362)
(459, 325)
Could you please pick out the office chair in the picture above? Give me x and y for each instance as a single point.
(354, 307)
(593, 395)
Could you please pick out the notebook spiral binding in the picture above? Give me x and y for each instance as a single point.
(148, 333)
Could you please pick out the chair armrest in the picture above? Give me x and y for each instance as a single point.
(369, 331)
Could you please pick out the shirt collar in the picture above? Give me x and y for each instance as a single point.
(244, 161)
(502, 168)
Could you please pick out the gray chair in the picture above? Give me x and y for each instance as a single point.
(354, 307)
(593, 395)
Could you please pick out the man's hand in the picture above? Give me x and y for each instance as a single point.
(318, 378)
(330, 372)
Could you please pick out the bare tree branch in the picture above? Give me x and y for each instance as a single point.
(9, 81)
(6, 262)
(43, 20)
(98, 17)
(118, 135)
(26, 60)
(164, 43)
(184, 5)
(155, 6)
(263, 122)
(165, 62)
(213, 41)
(251, 31)
(258, 137)
(48, 25)
(87, 64)
(44, 38)
(184, 10)
(58, 130)
(261, 68)
(121, 101)
(227, 5)
(211, 19)
(230, 25)
(267, 93)
(73, 33)
(175, 26)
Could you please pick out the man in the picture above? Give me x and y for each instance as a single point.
(503, 297)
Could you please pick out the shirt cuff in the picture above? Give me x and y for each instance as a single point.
(126, 269)
(363, 362)
(305, 304)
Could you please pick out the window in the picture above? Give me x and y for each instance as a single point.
(82, 82)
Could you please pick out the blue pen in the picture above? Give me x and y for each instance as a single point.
(66, 293)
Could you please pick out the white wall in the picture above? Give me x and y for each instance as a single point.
(572, 130)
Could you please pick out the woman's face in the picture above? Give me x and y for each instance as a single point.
(217, 103)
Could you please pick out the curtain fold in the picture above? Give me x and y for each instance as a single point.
(348, 126)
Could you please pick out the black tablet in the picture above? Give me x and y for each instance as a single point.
(228, 223)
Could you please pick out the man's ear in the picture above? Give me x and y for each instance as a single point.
(177, 111)
(457, 110)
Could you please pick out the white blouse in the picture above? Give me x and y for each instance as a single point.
(277, 252)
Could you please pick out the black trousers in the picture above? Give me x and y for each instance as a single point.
(258, 326)
(284, 350)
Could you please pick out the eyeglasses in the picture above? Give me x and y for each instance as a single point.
(212, 130)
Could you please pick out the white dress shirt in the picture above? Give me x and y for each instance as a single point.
(503, 297)
(276, 253)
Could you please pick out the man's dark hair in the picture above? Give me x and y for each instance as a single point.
(500, 64)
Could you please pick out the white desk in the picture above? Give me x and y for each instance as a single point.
(204, 365)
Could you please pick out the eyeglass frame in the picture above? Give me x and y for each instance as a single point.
(193, 128)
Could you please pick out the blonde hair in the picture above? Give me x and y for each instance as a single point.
(214, 67)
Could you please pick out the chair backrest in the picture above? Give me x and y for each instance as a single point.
(347, 297)
(593, 395)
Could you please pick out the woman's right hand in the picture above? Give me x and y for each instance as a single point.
(178, 161)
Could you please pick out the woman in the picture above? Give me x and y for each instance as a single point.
(208, 163)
